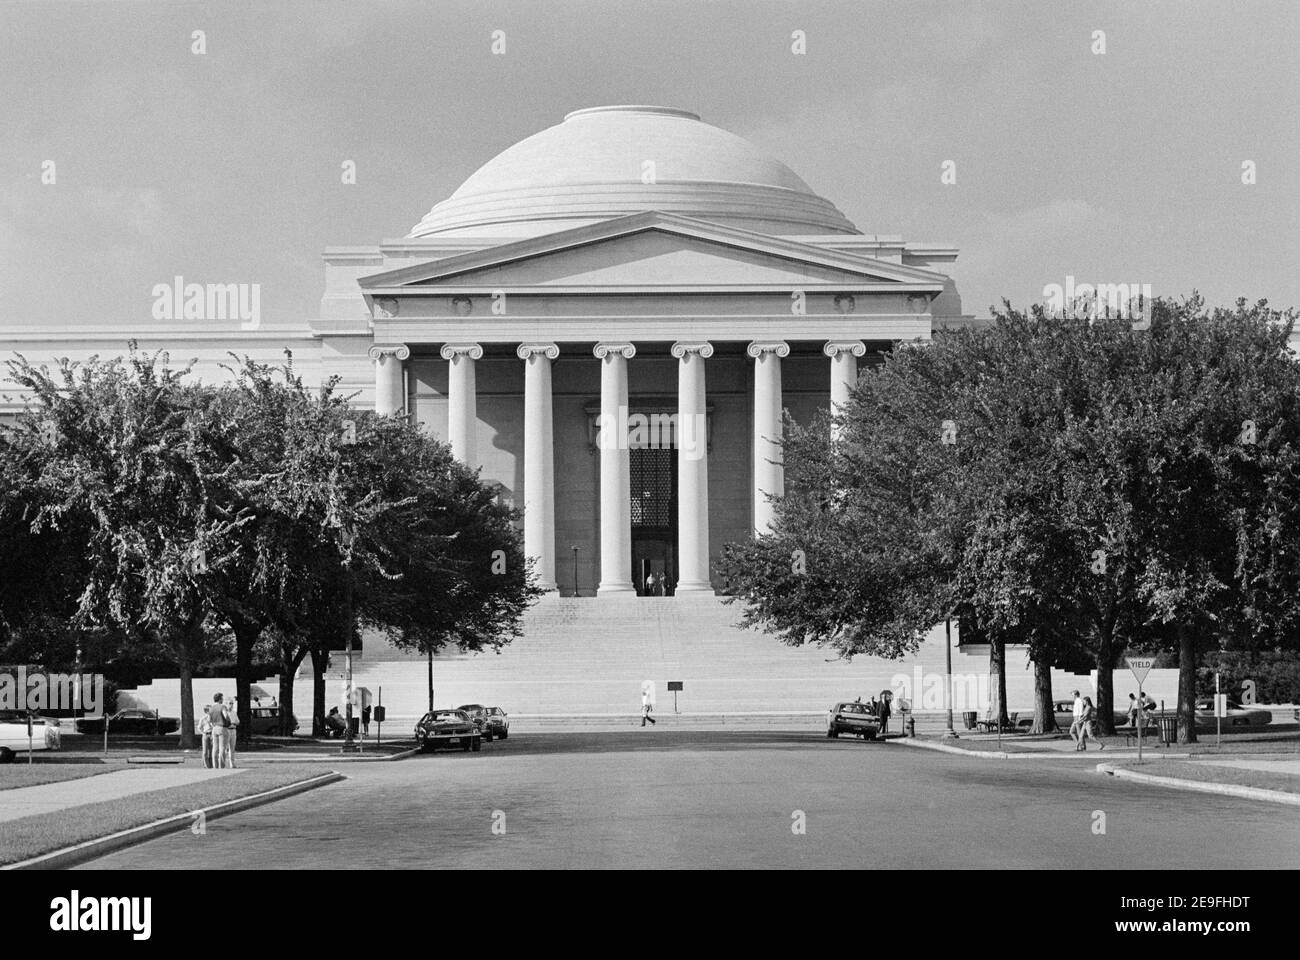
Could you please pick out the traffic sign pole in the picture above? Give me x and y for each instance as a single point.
(1140, 666)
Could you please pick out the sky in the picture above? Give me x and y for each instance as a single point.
(225, 166)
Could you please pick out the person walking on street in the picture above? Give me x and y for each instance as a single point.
(646, 708)
(1087, 728)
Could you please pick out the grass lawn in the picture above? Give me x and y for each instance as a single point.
(1185, 770)
(19, 774)
(30, 836)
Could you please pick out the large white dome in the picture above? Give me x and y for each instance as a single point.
(595, 165)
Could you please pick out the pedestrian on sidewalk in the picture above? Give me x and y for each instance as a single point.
(1087, 726)
(219, 718)
(646, 708)
(232, 729)
(1077, 714)
(205, 731)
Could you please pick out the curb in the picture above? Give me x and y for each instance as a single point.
(1004, 755)
(93, 849)
(1202, 786)
(337, 757)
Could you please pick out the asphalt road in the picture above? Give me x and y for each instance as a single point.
(660, 799)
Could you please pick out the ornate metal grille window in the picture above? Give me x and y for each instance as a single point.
(652, 487)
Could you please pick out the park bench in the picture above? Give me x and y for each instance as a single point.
(990, 725)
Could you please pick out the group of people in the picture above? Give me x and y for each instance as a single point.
(1084, 726)
(658, 585)
(217, 725)
(336, 725)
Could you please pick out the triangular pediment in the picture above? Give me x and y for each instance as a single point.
(653, 251)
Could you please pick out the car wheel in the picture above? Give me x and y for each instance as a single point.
(504, 734)
(464, 745)
(477, 745)
(6, 755)
(487, 738)
(424, 746)
(833, 734)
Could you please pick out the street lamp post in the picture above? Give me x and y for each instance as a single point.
(575, 569)
(950, 733)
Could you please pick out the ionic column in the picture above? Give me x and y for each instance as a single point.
(769, 473)
(539, 460)
(692, 469)
(462, 403)
(844, 371)
(615, 471)
(389, 386)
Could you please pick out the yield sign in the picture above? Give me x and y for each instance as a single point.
(1140, 666)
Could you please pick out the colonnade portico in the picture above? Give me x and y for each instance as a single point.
(615, 503)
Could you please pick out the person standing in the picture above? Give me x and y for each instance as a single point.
(219, 718)
(205, 731)
(232, 730)
(1077, 713)
(646, 708)
(885, 711)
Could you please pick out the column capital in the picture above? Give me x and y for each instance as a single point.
(472, 350)
(605, 348)
(835, 347)
(399, 350)
(682, 347)
(759, 347)
(548, 350)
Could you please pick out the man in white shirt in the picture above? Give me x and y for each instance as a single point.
(1078, 716)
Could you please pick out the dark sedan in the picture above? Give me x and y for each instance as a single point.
(855, 718)
(447, 728)
(130, 723)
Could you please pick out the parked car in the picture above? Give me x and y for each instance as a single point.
(447, 728)
(130, 722)
(854, 718)
(498, 722)
(1239, 715)
(266, 720)
(479, 714)
(13, 734)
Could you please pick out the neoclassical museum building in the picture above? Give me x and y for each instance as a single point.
(636, 269)
(608, 320)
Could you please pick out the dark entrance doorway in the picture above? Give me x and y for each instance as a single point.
(654, 519)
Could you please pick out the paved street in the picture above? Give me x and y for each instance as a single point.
(656, 798)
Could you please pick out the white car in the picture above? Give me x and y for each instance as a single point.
(13, 734)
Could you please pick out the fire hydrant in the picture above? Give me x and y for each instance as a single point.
(911, 726)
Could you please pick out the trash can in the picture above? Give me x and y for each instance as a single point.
(1169, 730)
(968, 718)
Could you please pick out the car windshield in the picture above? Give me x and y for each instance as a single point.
(445, 716)
(853, 708)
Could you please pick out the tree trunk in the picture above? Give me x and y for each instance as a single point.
(288, 669)
(246, 635)
(1044, 710)
(1186, 684)
(998, 679)
(319, 661)
(187, 650)
(1106, 656)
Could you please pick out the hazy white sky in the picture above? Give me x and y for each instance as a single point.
(226, 167)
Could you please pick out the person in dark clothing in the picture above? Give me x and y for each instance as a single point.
(884, 715)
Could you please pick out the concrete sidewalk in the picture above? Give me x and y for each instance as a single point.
(65, 794)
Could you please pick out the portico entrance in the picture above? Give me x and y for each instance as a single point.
(654, 516)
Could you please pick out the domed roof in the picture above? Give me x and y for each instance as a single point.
(596, 164)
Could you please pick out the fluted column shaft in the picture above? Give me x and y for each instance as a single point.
(462, 400)
(844, 371)
(539, 460)
(769, 472)
(390, 386)
(692, 468)
(615, 470)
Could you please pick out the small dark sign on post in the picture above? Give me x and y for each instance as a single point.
(674, 686)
